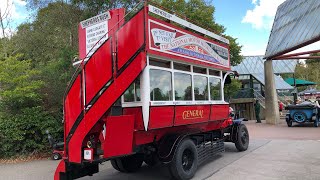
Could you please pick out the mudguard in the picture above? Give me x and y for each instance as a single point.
(238, 121)
(168, 144)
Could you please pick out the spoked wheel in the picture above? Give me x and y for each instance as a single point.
(185, 161)
(128, 164)
(56, 156)
(242, 138)
(300, 117)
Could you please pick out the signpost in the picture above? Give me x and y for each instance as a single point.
(93, 33)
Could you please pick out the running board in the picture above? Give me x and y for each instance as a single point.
(209, 149)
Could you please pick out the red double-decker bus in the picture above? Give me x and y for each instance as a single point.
(149, 88)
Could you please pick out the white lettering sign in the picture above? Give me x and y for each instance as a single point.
(161, 36)
(96, 35)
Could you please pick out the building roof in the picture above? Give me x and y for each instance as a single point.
(255, 64)
(279, 82)
(295, 25)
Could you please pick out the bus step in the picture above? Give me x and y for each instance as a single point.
(209, 149)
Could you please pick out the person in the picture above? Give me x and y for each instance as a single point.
(257, 111)
(317, 102)
(280, 107)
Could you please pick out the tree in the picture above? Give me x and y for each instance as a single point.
(22, 119)
(231, 89)
(308, 70)
(20, 85)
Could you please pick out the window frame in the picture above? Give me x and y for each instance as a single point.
(135, 102)
(193, 101)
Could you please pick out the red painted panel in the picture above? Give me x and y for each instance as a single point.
(60, 169)
(72, 104)
(191, 114)
(116, 20)
(145, 137)
(119, 136)
(219, 112)
(82, 42)
(161, 117)
(114, 91)
(98, 70)
(130, 38)
(137, 112)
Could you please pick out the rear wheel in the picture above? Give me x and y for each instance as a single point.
(242, 138)
(128, 164)
(185, 161)
(300, 117)
(115, 165)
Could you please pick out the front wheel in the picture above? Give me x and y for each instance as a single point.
(185, 161)
(242, 138)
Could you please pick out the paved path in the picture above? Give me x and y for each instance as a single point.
(275, 152)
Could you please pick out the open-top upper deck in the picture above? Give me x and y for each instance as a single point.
(164, 34)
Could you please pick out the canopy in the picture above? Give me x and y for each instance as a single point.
(295, 25)
(299, 82)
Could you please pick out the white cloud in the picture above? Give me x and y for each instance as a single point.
(262, 15)
(11, 15)
(20, 2)
(253, 50)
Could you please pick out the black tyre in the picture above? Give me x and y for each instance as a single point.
(151, 160)
(242, 138)
(56, 156)
(185, 161)
(289, 123)
(299, 117)
(115, 165)
(316, 123)
(128, 164)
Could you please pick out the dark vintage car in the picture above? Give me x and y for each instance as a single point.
(302, 113)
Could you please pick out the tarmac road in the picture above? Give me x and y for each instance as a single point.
(275, 152)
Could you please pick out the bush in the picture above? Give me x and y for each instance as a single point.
(26, 132)
(23, 120)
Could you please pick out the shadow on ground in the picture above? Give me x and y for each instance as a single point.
(161, 172)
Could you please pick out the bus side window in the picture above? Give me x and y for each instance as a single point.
(200, 87)
(160, 85)
(132, 94)
(215, 88)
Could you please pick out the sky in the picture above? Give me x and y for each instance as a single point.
(249, 21)
(14, 12)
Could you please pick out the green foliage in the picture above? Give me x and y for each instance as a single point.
(231, 89)
(309, 71)
(24, 133)
(19, 85)
(22, 121)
